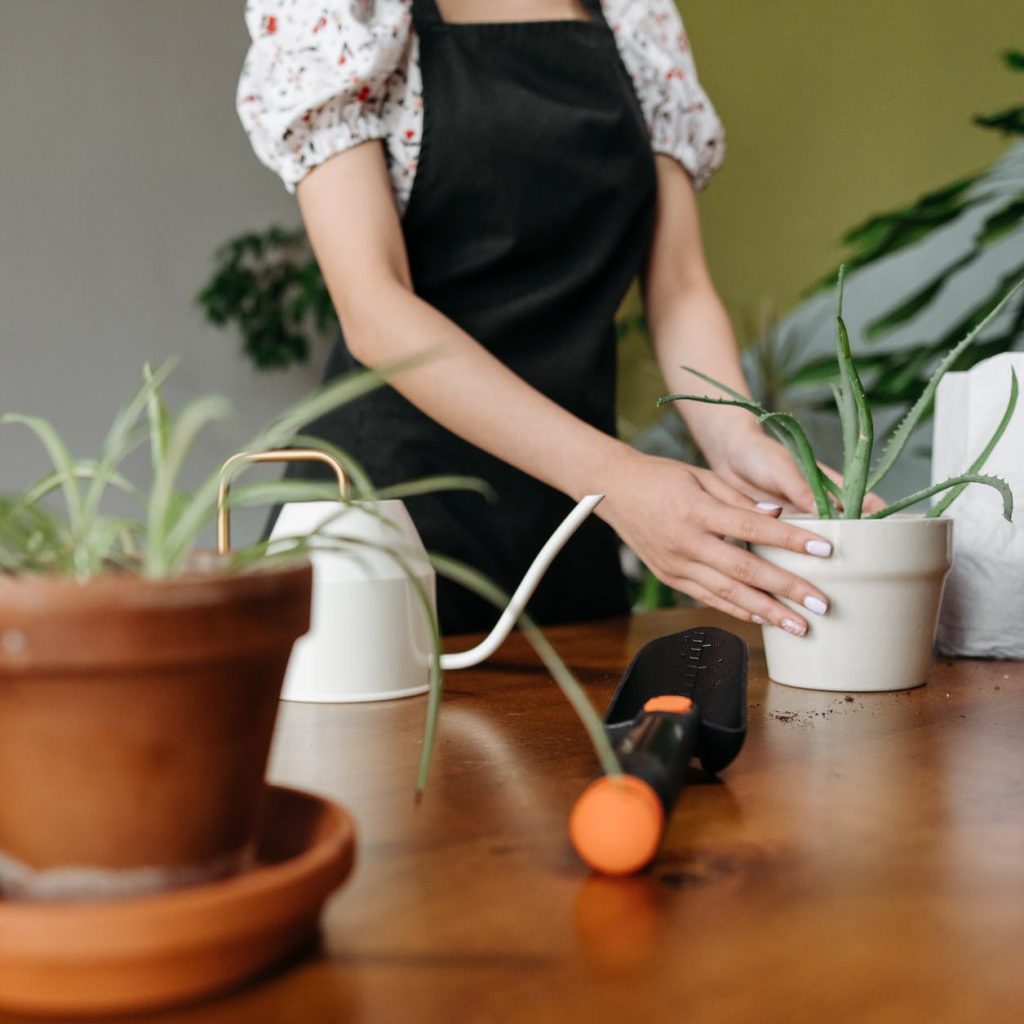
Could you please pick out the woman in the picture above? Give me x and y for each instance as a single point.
(483, 179)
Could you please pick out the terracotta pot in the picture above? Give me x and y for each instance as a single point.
(884, 583)
(135, 724)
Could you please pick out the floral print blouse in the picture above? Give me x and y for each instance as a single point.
(322, 77)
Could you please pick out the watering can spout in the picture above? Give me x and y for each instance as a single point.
(523, 593)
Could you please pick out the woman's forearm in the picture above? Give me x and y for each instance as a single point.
(467, 390)
(361, 252)
(687, 322)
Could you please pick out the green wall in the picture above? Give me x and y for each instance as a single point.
(834, 111)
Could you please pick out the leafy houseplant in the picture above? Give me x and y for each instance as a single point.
(139, 677)
(885, 576)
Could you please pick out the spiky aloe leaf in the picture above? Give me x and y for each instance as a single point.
(785, 427)
(857, 461)
(899, 437)
(939, 507)
(966, 478)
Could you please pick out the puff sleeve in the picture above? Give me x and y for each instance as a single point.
(317, 78)
(656, 53)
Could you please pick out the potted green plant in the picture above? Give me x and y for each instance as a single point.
(885, 576)
(139, 676)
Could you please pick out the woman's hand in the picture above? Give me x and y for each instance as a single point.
(763, 469)
(675, 517)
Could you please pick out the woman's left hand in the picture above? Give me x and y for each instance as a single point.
(763, 468)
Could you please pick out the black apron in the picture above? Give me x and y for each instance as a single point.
(530, 215)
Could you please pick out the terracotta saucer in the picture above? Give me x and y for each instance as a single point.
(92, 959)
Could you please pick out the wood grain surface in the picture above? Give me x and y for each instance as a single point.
(862, 860)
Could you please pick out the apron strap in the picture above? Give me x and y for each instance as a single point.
(594, 9)
(425, 14)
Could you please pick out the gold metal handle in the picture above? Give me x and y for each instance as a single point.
(277, 455)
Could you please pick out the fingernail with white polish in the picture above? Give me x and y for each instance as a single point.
(815, 604)
(757, 620)
(794, 627)
(821, 548)
(769, 506)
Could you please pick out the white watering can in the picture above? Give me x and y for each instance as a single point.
(370, 638)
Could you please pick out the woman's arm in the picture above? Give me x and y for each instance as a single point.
(666, 511)
(689, 327)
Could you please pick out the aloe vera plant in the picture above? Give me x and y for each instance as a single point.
(859, 474)
(86, 542)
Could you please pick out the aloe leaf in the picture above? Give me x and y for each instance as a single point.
(567, 682)
(847, 421)
(939, 507)
(856, 463)
(899, 437)
(824, 370)
(966, 478)
(785, 427)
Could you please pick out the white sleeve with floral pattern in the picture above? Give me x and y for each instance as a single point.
(656, 53)
(320, 78)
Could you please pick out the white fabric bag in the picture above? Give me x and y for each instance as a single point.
(982, 614)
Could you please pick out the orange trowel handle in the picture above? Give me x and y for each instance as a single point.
(617, 823)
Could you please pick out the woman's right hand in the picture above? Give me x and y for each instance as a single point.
(675, 517)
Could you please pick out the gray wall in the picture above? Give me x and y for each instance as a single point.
(123, 168)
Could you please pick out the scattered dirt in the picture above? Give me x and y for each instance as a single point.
(848, 699)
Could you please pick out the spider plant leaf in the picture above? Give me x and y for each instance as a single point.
(899, 437)
(431, 484)
(121, 437)
(357, 476)
(338, 392)
(84, 469)
(60, 456)
(164, 510)
(570, 687)
(966, 478)
(976, 466)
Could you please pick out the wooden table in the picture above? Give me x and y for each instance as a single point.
(862, 860)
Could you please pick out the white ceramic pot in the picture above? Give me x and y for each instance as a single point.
(884, 583)
(370, 636)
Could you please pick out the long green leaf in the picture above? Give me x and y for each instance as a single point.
(899, 437)
(939, 507)
(786, 428)
(63, 464)
(967, 478)
(121, 439)
(161, 556)
(856, 463)
(567, 682)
